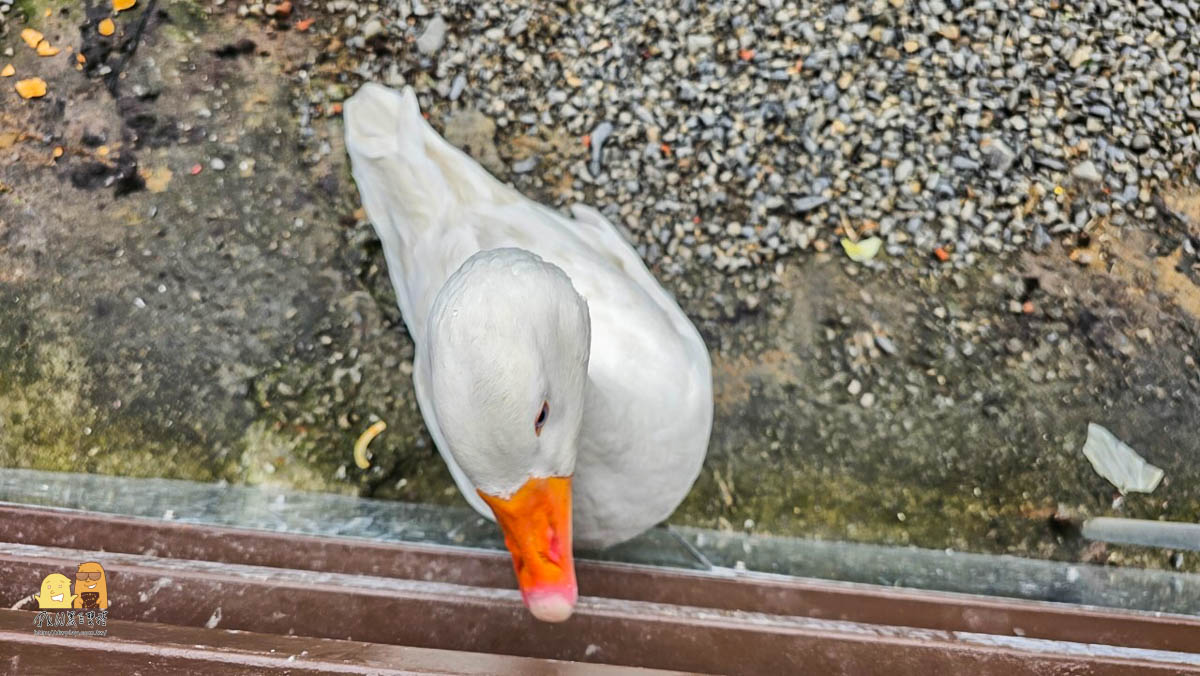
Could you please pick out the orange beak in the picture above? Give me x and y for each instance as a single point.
(536, 522)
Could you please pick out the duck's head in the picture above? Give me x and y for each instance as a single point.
(508, 341)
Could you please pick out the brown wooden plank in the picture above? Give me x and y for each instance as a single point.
(152, 648)
(445, 616)
(773, 595)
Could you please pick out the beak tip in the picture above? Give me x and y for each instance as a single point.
(551, 606)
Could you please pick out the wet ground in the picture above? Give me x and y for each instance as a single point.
(189, 290)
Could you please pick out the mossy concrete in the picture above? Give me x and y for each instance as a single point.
(238, 325)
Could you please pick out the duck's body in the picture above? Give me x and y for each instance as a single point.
(647, 408)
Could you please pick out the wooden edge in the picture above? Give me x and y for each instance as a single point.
(477, 568)
(629, 633)
(156, 648)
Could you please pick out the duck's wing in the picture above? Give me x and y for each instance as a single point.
(415, 187)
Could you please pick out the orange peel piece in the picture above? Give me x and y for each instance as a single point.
(122, 5)
(106, 27)
(44, 48)
(31, 37)
(34, 87)
(8, 71)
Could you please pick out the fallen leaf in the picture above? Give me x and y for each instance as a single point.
(102, 151)
(8, 71)
(122, 5)
(81, 58)
(304, 24)
(106, 27)
(45, 49)
(862, 251)
(31, 37)
(942, 254)
(34, 87)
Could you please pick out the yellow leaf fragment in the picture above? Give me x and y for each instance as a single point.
(862, 251)
(360, 446)
(45, 49)
(32, 88)
(122, 5)
(31, 37)
(106, 27)
(8, 71)
(157, 179)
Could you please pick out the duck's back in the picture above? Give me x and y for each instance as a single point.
(649, 407)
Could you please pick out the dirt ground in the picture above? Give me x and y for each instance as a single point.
(189, 290)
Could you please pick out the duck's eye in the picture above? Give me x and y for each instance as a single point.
(541, 419)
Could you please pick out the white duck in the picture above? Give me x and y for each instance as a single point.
(551, 367)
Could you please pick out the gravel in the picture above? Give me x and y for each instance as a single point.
(965, 126)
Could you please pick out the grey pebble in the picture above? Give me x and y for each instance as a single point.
(433, 37)
(1087, 171)
(457, 87)
(599, 135)
(806, 204)
(885, 344)
(524, 166)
